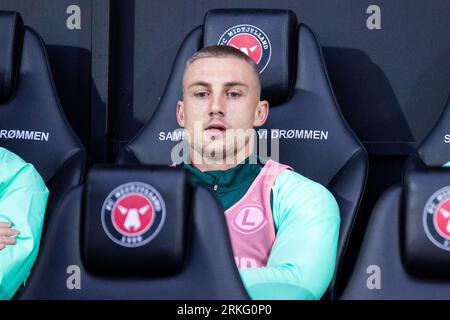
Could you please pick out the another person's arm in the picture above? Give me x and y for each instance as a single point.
(23, 198)
(302, 260)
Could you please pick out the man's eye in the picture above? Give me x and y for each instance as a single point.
(234, 94)
(201, 94)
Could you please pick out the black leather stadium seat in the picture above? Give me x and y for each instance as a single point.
(406, 249)
(173, 245)
(434, 150)
(314, 138)
(32, 123)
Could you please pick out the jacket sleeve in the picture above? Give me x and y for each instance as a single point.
(302, 260)
(23, 198)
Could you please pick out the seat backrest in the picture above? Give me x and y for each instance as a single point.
(32, 123)
(136, 233)
(304, 118)
(434, 150)
(405, 253)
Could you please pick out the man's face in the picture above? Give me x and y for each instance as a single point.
(220, 105)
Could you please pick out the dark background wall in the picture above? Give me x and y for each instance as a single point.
(390, 68)
(76, 36)
(391, 83)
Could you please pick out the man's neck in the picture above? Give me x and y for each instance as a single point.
(204, 163)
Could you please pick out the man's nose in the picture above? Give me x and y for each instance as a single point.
(217, 105)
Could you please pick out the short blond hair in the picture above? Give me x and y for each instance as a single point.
(220, 51)
(223, 51)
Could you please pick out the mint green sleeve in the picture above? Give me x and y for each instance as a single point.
(447, 164)
(301, 263)
(23, 198)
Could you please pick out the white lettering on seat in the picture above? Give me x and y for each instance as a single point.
(297, 134)
(447, 138)
(24, 135)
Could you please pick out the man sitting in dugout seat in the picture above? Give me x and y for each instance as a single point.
(283, 227)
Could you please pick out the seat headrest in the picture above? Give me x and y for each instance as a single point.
(11, 29)
(32, 121)
(426, 234)
(268, 36)
(434, 151)
(134, 220)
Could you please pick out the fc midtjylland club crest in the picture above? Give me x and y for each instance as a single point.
(251, 40)
(133, 214)
(436, 218)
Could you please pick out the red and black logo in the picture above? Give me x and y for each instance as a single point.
(133, 214)
(436, 218)
(250, 40)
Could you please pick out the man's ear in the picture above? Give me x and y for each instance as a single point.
(180, 113)
(261, 113)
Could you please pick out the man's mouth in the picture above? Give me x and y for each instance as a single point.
(215, 129)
